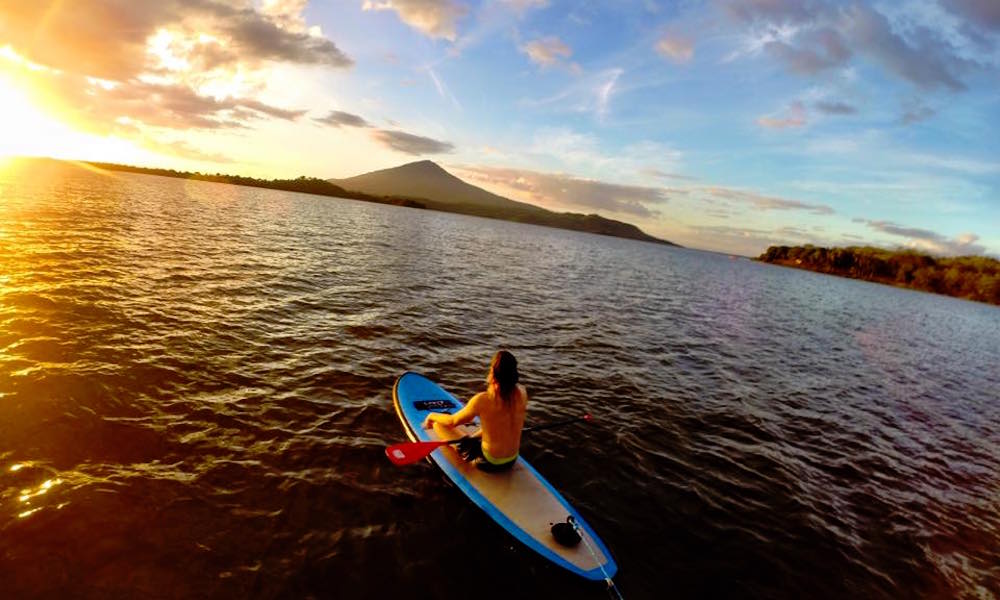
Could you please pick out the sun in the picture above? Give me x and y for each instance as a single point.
(29, 127)
(24, 128)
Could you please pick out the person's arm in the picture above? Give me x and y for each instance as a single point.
(465, 415)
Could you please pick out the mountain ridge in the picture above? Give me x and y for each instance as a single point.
(427, 182)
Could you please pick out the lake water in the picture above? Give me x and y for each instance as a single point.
(195, 396)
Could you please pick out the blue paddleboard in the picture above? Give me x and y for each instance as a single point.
(520, 500)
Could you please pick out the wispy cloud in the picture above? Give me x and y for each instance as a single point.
(813, 51)
(661, 174)
(605, 91)
(408, 143)
(393, 139)
(562, 190)
(794, 116)
(835, 108)
(763, 202)
(930, 241)
(748, 240)
(677, 48)
(958, 164)
(576, 151)
(771, 12)
(546, 51)
(522, 6)
(442, 88)
(916, 113)
(591, 93)
(338, 118)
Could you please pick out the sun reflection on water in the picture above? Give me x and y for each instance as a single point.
(27, 494)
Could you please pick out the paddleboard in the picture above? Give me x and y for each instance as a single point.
(520, 500)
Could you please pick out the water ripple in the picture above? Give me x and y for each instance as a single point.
(195, 386)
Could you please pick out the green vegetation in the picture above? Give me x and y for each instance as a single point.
(308, 185)
(970, 277)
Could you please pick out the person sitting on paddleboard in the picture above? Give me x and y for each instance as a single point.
(501, 409)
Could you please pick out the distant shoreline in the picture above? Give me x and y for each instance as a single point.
(974, 278)
(310, 185)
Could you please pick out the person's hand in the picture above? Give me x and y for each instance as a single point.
(428, 423)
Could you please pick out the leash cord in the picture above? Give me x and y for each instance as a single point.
(600, 565)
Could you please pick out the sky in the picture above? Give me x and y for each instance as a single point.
(720, 125)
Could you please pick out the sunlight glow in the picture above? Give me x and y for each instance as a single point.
(7, 53)
(161, 45)
(23, 125)
(29, 131)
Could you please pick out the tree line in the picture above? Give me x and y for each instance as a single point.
(308, 185)
(970, 277)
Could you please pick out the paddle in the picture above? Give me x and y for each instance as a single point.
(410, 452)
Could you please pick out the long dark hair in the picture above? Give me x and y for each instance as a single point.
(504, 369)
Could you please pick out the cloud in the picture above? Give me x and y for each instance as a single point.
(546, 51)
(835, 108)
(108, 38)
(257, 37)
(102, 107)
(746, 241)
(772, 11)
(970, 166)
(794, 117)
(569, 191)
(677, 48)
(142, 69)
(267, 109)
(605, 91)
(337, 118)
(928, 62)
(102, 39)
(434, 18)
(408, 143)
(661, 174)
(916, 114)
(400, 141)
(764, 202)
(810, 37)
(815, 51)
(981, 13)
(522, 6)
(930, 241)
(175, 107)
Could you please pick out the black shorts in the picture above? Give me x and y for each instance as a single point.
(471, 450)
